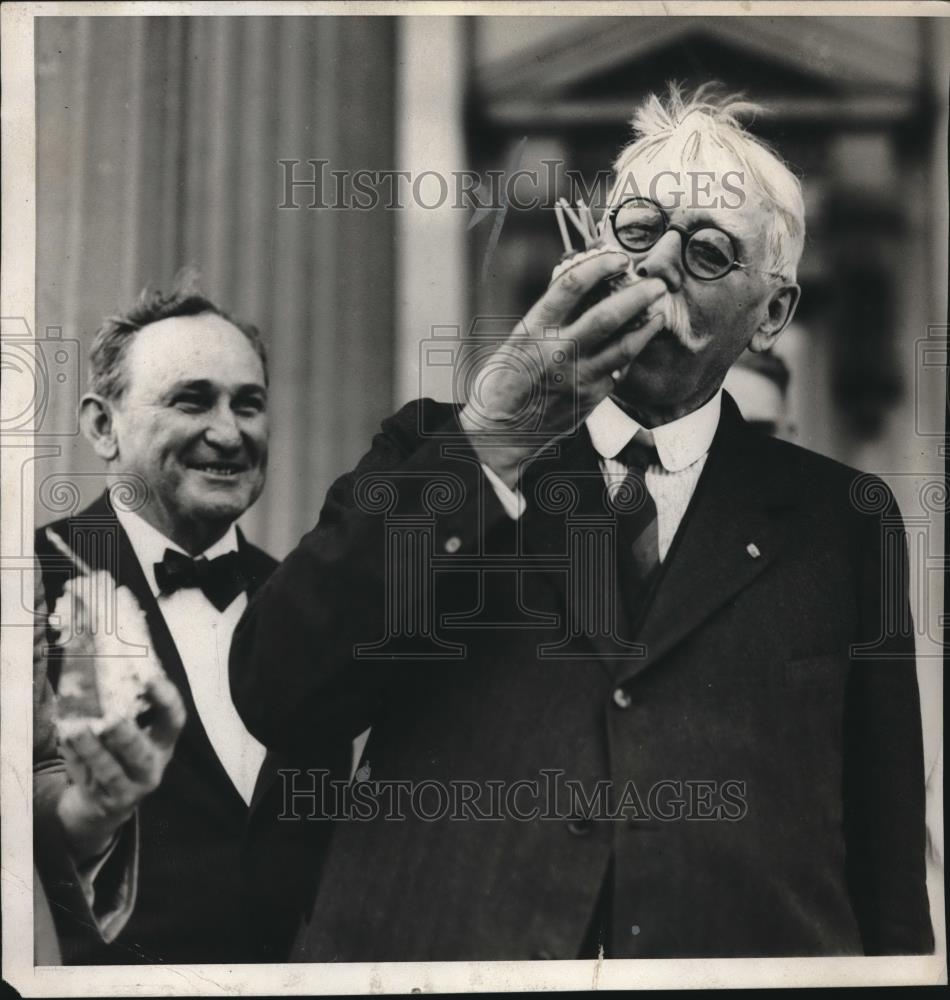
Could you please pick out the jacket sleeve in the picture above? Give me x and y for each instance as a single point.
(96, 900)
(88, 903)
(310, 662)
(883, 766)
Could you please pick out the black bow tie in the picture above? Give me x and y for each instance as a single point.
(220, 580)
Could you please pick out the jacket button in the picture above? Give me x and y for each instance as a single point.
(580, 827)
(453, 544)
(622, 699)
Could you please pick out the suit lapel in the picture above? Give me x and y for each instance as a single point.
(563, 481)
(98, 537)
(568, 521)
(107, 547)
(258, 566)
(732, 532)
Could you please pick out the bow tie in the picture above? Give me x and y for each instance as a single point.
(220, 580)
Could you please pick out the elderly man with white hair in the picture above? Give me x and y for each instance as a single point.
(640, 681)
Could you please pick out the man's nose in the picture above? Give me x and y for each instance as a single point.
(223, 430)
(664, 260)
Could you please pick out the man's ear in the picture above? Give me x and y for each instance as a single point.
(779, 312)
(98, 424)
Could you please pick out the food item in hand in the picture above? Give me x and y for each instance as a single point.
(603, 289)
(108, 657)
(569, 261)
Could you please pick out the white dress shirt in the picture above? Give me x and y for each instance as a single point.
(202, 636)
(682, 446)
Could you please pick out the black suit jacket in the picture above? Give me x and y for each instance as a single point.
(775, 695)
(218, 881)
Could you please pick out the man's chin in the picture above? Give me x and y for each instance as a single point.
(653, 373)
(222, 502)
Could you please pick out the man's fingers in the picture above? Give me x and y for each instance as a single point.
(168, 711)
(106, 775)
(135, 753)
(76, 767)
(624, 350)
(559, 301)
(605, 318)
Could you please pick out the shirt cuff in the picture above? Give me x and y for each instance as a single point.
(109, 882)
(513, 501)
(88, 871)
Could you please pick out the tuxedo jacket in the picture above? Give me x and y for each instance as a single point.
(218, 881)
(756, 724)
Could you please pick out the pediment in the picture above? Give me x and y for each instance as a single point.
(594, 57)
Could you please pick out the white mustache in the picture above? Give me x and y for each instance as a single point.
(671, 307)
(675, 315)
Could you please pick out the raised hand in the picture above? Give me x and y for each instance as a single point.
(111, 773)
(603, 338)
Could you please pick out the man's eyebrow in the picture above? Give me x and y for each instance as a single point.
(707, 217)
(204, 385)
(189, 384)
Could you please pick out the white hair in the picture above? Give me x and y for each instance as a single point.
(714, 128)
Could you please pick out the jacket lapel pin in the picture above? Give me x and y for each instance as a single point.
(753, 550)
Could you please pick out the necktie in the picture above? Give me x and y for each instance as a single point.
(220, 580)
(638, 545)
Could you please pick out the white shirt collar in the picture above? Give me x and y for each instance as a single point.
(679, 443)
(149, 544)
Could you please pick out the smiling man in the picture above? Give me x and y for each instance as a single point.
(658, 667)
(177, 408)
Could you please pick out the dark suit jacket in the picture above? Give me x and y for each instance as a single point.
(752, 679)
(218, 882)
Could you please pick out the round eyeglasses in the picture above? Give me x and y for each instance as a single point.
(709, 253)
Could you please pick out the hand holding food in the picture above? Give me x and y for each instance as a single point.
(593, 314)
(110, 682)
(110, 773)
